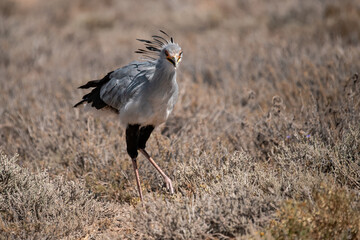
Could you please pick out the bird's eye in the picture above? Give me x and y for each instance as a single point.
(166, 53)
(180, 54)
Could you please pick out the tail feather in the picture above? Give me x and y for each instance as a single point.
(90, 84)
(79, 103)
(94, 96)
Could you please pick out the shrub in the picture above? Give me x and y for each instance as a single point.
(333, 214)
(34, 206)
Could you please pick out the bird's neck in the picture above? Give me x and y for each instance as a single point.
(164, 74)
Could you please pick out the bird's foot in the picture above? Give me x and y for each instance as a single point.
(169, 185)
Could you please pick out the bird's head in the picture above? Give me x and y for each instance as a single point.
(162, 47)
(172, 53)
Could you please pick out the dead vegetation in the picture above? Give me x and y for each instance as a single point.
(264, 142)
(34, 206)
(332, 214)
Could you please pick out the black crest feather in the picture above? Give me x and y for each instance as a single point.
(154, 46)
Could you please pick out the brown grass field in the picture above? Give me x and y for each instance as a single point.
(264, 142)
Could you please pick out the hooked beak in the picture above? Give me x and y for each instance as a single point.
(172, 60)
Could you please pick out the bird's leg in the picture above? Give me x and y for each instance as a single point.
(137, 177)
(132, 137)
(144, 135)
(166, 178)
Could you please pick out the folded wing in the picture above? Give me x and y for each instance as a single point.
(117, 86)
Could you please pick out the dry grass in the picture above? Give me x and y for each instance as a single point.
(265, 134)
(332, 215)
(34, 206)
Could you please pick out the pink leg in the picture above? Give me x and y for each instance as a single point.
(166, 178)
(137, 177)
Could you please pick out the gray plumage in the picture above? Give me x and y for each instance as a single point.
(143, 93)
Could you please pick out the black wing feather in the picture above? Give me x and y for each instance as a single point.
(94, 96)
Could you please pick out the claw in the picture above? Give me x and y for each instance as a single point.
(169, 185)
